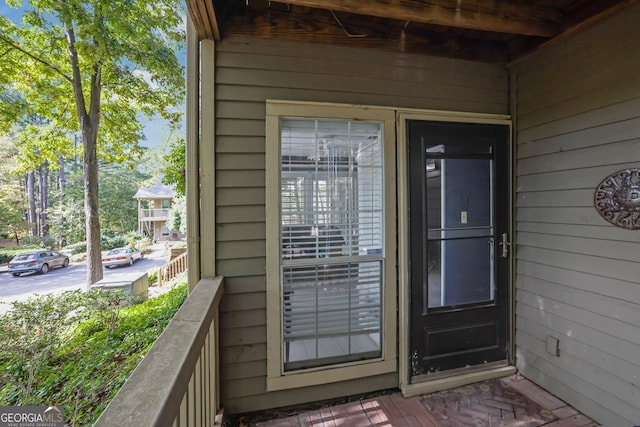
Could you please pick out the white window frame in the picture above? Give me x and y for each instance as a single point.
(277, 378)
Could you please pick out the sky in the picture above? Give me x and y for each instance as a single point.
(156, 130)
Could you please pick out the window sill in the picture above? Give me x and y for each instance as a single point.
(328, 375)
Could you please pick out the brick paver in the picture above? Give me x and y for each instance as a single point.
(508, 402)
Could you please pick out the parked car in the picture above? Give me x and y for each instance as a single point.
(41, 261)
(121, 256)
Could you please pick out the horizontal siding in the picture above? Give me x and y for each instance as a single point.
(239, 214)
(250, 71)
(612, 249)
(577, 277)
(595, 265)
(227, 144)
(568, 179)
(594, 232)
(244, 284)
(241, 249)
(240, 178)
(615, 151)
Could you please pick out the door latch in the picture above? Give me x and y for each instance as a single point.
(504, 245)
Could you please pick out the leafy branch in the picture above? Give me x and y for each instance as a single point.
(13, 45)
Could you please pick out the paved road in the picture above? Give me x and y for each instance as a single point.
(64, 279)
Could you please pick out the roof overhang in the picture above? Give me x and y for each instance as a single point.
(484, 30)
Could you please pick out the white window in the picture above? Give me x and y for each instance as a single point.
(331, 243)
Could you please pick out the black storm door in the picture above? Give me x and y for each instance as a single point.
(458, 243)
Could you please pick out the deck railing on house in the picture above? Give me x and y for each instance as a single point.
(153, 214)
(177, 383)
(171, 269)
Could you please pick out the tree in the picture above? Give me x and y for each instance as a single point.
(178, 215)
(12, 202)
(174, 172)
(12, 221)
(119, 209)
(91, 68)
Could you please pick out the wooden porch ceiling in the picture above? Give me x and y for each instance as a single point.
(484, 30)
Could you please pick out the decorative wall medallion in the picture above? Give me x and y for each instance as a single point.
(617, 199)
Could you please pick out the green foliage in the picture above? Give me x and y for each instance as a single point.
(12, 200)
(181, 244)
(113, 242)
(174, 172)
(66, 221)
(119, 208)
(178, 215)
(47, 242)
(7, 253)
(153, 276)
(144, 244)
(77, 349)
(89, 69)
(127, 48)
(107, 242)
(76, 248)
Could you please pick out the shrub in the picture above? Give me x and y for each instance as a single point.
(5, 257)
(6, 254)
(113, 242)
(46, 242)
(82, 256)
(76, 349)
(76, 247)
(153, 276)
(106, 242)
(180, 244)
(144, 244)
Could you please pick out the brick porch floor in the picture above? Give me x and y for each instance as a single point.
(512, 401)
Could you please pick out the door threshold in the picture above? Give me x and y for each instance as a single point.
(456, 377)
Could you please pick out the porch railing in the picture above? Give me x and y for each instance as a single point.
(171, 269)
(177, 383)
(153, 214)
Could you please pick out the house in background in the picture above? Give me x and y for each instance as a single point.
(154, 204)
(414, 195)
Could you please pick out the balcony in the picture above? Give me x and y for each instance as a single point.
(153, 214)
(187, 391)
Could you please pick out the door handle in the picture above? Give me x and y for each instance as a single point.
(504, 245)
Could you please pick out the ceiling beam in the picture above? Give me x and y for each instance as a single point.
(486, 15)
(204, 19)
(319, 26)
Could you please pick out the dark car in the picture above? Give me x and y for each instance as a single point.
(41, 261)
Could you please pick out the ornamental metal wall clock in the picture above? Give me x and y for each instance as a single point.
(617, 199)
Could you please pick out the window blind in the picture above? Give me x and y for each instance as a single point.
(332, 228)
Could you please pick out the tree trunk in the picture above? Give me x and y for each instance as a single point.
(62, 179)
(94, 247)
(89, 122)
(31, 198)
(44, 199)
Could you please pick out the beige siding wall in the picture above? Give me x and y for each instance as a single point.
(248, 72)
(578, 278)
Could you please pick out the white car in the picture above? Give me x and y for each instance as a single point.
(121, 256)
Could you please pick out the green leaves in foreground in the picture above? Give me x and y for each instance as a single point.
(77, 349)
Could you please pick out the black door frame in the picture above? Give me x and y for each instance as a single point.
(462, 376)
